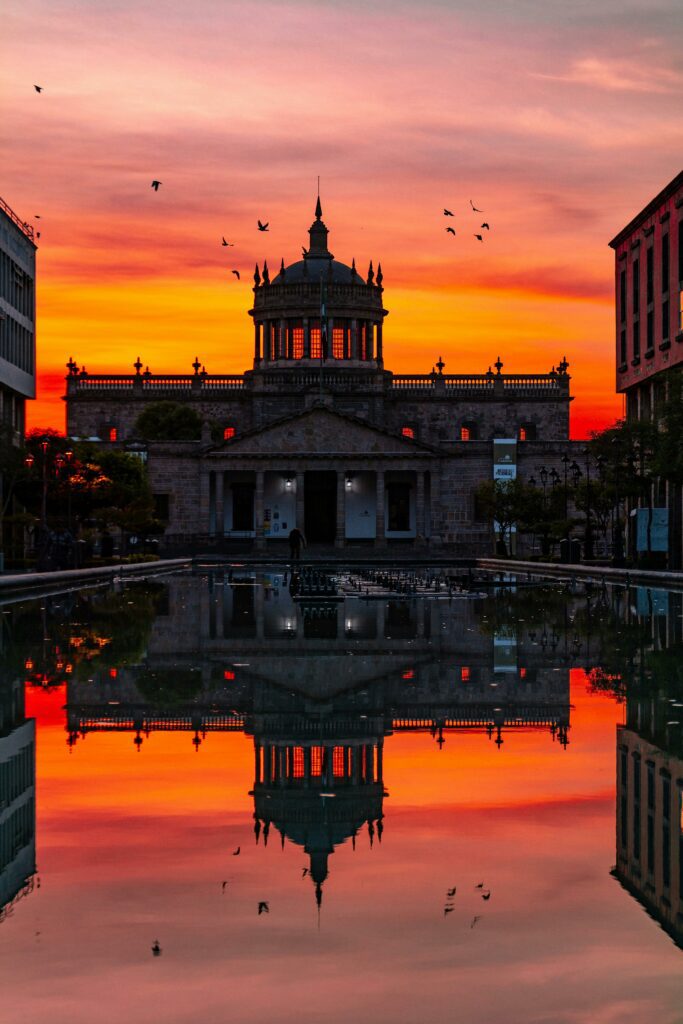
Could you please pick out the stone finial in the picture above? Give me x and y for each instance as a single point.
(196, 364)
(318, 210)
(72, 367)
(257, 276)
(563, 367)
(498, 365)
(266, 272)
(282, 267)
(371, 274)
(440, 366)
(380, 275)
(137, 366)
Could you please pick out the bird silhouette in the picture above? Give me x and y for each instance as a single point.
(451, 231)
(226, 243)
(304, 872)
(263, 907)
(485, 225)
(451, 892)
(155, 185)
(448, 910)
(475, 208)
(236, 852)
(480, 237)
(224, 886)
(38, 88)
(474, 921)
(156, 948)
(37, 216)
(447, 213)
(304, 251)
(236, 273)
(486, 895)
(479, 885)
(263, 227)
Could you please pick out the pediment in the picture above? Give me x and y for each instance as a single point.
(321, 431)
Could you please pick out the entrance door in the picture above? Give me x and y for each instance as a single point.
(243, 506)
(320, 507)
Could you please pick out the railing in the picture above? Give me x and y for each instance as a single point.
(482, 385)
(24, 227)
(154, 382)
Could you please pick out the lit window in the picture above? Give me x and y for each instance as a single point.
(228, 432)
(316, 760)
(315, 343)
(338, 342)
(409, 674)
(338, 762)
(113, 672)
(408, 432)
(465, 674)
(522, 433)
(465, 434)
(298, 767)
(298, 342)
(228, 674)
(522, 673)
(113, 434)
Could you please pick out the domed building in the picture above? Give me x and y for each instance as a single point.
(318, 434)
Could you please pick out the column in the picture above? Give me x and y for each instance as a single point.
(212, 503)
(307, 767)
(220, 511)
(379, 508)
(379, 343)
(257, 343)
(340, 532)
(380, 752)
(203, 500)
(258, 511)
(257, 762)
(307, 338)
(284, 339)
(355, 345)
(330, 335)
(420, 505)
(368, 339)
(300, 506)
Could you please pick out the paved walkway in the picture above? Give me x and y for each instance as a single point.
(64, 578)
(672, 580)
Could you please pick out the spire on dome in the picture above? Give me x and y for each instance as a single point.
(317, 233)
(318, 210)
(257, 276)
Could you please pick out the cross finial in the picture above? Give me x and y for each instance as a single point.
(72, 367)
(498, 365)
(137, 366)
(196, 364)
(440, 365)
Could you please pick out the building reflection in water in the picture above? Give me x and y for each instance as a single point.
(17, 797)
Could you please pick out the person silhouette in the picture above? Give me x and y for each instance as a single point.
(296, 542)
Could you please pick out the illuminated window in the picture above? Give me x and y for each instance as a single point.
(298, 342)
(363, 338)
(338, 342)
(522, 673)
(113, 672)
(527, 432)
(229, 674)
(465, 434)
(228, 432)
(315, 343)
(409, 674)
(408, 432)
(465, 674)
(113, 434)
(522, 433)
(298, 763)
(316, 760)
(338, 766)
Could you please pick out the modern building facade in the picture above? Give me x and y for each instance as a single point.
(17, 319)
(649, 325)
(17, 796)
(318, 434)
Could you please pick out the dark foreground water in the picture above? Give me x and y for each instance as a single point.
(428, 808)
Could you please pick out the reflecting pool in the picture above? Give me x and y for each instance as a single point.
(337, 797)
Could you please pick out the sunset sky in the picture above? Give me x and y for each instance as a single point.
(559, 120)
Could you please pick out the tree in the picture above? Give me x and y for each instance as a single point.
(169, 421)
(507, 503)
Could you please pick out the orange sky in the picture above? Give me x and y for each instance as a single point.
(534, 110)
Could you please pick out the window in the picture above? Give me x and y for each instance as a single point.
(468, 432)
(665, 320)
(298, 342)
(465, 674)
(650, 275)
(315, 342)
(161, 506)
(228, 432)
(408, 432)
(338, 342)
(636, 340)
(113, 434)
(636, 287)
(650, 325)
(527, 432)
(665, 263)
(622, 296)
(398, 506)
(622, 347)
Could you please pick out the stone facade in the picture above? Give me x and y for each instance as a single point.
(318, 434)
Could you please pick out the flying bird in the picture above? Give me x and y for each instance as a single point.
(474, 921)
(37, 216)
(485, 225)
(479, 885)
(304, 872)
(447, 213)
(451, 231)
(451, 893)
(38, 88)
(156, 948)
(224, 886)
(155, 185)
(263, 907)
(236, 273)
(236, 852)
(486, 895)
(263, 227)
(226, 243)
(448, 910)
(480, 237)
(475, 208)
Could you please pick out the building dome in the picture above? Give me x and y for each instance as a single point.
(317, 309)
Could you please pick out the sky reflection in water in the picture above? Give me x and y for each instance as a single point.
(179, 720)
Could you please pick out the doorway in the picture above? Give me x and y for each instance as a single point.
(320, 506)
